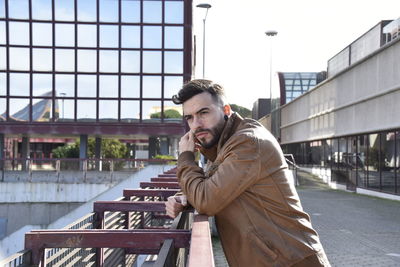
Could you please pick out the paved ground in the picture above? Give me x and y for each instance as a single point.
(355, 230)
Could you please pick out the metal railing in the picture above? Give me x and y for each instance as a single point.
(292, 166)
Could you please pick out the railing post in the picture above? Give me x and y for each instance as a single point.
(58, 170)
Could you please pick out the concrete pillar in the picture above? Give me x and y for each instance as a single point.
(164, 146)
(25, 153)
(153, 145)
(97, 153)
(83, 149)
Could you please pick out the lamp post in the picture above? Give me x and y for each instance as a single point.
(63, 94)
(271, 34)
(206, 6)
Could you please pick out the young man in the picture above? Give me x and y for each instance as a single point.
(245, 185)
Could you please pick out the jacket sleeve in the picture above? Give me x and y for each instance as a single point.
(239, 168)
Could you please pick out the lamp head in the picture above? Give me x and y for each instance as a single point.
(271, 33)
(204, 5)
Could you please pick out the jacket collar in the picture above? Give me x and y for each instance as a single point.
(229, 129)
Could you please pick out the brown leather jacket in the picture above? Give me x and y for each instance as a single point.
(258, 213)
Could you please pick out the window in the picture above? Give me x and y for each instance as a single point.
(152, 11)
(130, 36)
(42, 59)
(173, 12)
(151, 62)
(130, 61)
(87, 85)
(22, 28)
(41, 84)
(64, 10)
(171, 62)
(41, 9)
(151, 37)
(130, 11)
(173, 37)
(87, 10)
(42, 34)
(172, 84)
(86, 110)
(19, 84)
(108, 85)
(130, 86)
(65, 84)
(151, 86)
(65, 34)
(65, 60)
(108, 36)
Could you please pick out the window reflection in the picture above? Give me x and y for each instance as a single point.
(3, 104)
(130, 11)
(41, 9)
(2, 32)
(108, 36)
(65, 35)
(87, 60)
(19, 109)
(64, 10)
(151, 62)
(130, 61)
(2, 10)
(87, 86)
(130, 111)
(388, 161)
(65, 84)
(18, 9)
(65, 60)
(87, 10)
(86, 110)
(151, 37)
(87, 35)
(152, 11)
(108, 110)
(108, 11)
(130, 86)
(42, 34)
(3, 90)
(19, 58)
(41, 83)
(65, 111)
(373, 161)
(172, 112)
(108, 86)
(108, 61)
(130, 36)
(150, 110)
(42, 59)
(42, 109)
(3, 58)
(22, 28)
(152, 86)
(172, 84)
(173, 37)
(173, 12)
(19, 84)
(173, 62)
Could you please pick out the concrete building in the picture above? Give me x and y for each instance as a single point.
(347, 128)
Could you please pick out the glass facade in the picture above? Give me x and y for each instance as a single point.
(294, 84)
(370, 161)
(92, 60)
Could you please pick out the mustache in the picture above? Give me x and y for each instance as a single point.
(202, 130)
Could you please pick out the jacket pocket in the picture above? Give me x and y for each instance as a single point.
(262, 246)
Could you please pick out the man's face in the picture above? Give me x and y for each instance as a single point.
(205, 118)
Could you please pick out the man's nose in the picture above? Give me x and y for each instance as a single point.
(197, 123)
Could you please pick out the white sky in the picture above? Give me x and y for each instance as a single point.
(310, 32)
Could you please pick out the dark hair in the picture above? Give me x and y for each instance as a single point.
(199, 86)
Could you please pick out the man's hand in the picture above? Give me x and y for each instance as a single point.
(175, 205)
(187, 142)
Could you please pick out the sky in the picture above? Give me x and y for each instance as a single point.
(310, 32)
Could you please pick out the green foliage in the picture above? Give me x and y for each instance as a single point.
(67, 151)
(244, 112)
(110, 148)
(166, 157)
(169, 114)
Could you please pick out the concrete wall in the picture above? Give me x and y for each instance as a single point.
(363, 98)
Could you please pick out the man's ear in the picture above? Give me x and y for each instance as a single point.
(227, 110)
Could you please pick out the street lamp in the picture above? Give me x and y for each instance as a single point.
(271, 34)
(63, 94)
(206, 6)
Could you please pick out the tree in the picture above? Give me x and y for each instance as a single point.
(244, 112)
(168, 114)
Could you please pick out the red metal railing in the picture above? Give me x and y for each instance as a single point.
(118, 231)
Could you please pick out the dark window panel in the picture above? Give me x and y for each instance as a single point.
(388, 161)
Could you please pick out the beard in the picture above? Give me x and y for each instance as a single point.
(215, 132)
